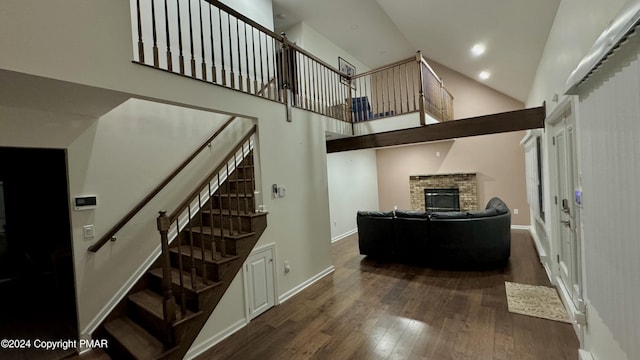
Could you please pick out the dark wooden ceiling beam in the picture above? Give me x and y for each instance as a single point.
(532, 118)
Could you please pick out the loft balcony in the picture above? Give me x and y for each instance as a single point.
(209, 41)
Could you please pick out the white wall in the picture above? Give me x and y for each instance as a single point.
(353, 186)
(311, 40)
(100, 55)
(577, 25)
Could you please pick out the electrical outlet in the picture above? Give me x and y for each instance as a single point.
(89, 231)
(515, 211)
(287, 267)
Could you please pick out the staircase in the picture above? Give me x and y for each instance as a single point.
(164, 312)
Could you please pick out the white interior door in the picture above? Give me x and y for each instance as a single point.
(568, 216)
(259, 282)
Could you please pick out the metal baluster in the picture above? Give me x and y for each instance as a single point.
(223, 247)
(213, 52)
(203, 65)
(193, 59)
(239, 56)
(252, 187)
(155, 35)
(406, 76)
(183, 297)
(261, 69)
(193, 268)
(229, 198)
(244, 180)
(237, 190)
(276, 74)
(181, 56)
(246, 55)
(253, 55)
(166, 23)
(212, 235)
(224, 73)
(233, 76)
(140, 43)
(205, 279)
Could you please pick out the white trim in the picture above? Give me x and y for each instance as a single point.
(521, 227)
(584, 355)
(122, 292)
(342, 236)
(215, 339)
(289, 294)
(573, 312)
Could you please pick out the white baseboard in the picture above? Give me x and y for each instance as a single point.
(215, 339)
(286, 296)
(342, 236)
(521, 227)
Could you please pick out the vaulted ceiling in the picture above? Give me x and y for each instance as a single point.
(378, 32)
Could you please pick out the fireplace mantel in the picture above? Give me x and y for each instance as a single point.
(466, 182)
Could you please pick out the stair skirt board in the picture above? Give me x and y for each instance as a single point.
(289, 294)
(93, 325)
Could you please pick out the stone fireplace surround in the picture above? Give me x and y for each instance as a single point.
(466, 182)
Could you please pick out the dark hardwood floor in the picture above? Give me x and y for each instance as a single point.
(372, 310)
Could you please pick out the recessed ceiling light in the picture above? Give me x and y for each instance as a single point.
(484, 75)
(478, 49)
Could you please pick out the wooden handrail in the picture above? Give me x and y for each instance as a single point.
(189, 198)
(431, 70)
(386, 67)
(110, 235)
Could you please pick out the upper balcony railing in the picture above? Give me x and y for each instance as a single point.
(209, 41)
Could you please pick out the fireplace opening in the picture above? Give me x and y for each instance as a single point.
(442, 199)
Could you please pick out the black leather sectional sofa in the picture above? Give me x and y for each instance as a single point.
(449, 240)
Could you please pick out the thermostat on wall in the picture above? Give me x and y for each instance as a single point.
(85, 202)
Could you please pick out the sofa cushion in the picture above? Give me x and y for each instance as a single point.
(412, 214)
(449, 215)
(376, 213)
(483, 213)
(498, 204)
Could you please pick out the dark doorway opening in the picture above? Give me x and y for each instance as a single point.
(37, 286)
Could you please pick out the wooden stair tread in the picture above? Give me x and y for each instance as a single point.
(136, 340)
(151, 301)
(186, 279)
(197, 254)
(227, 212)
(206, 230)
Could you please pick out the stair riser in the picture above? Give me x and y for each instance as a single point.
(149, 321)
(214, 271)
(243, 186)
(242, 173)
(191, 297)
(236, 222)
(230, 244)
(234, 203)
